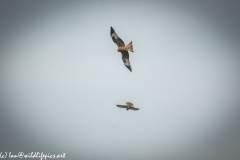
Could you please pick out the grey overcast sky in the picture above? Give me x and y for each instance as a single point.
(61, 78)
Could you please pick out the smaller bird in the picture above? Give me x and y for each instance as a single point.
(128, 106)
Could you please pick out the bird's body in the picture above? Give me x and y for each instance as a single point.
(122, 48)
(128, 106)
(128, 47)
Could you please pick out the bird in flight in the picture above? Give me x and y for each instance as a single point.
(128, 106)
(122, 48)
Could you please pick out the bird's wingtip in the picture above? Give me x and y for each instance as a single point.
(129, 68)
(112, 30)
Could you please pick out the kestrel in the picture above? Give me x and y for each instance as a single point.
(122, 48)
(128, 106)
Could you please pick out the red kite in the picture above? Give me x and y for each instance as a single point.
(122, 48)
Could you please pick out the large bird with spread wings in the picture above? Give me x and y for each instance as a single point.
(128, 106)
(122, 48)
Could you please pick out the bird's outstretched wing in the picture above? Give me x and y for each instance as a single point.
(115, 38)
(125, 58)
(133, 108)
(121, 106)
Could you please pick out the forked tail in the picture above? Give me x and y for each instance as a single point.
(129, 47)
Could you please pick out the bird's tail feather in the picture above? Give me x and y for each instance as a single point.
(129, 47)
